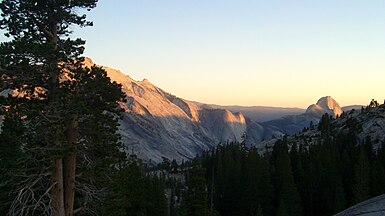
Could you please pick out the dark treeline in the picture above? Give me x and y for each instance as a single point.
(290, 179)
(304, 180)
(135, 192)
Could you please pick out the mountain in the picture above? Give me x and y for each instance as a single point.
(351, 107)
(158, 125)
(258, 113)
(293, 124)
(278, 120)
(267, 113)
(365, 124)
(325, 105)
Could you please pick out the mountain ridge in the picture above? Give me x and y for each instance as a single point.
(368, 123)
(158, 125)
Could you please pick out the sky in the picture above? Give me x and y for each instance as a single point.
(284, 53)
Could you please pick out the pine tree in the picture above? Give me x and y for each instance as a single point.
(325, 125)
(194, 200)
(10, 154)
(134, 192)
(249, 196)
(259, 211)
(377, 180)
(174, 166)
(340, 201)
(296, 164)
(286, 190)
(265, 187)
(156, 198)
(282, 209)
(69, 111)
(361, 190)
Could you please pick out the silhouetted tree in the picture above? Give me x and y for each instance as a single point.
(361, 190)
(286, 191)
(194, 201)
(70, 111)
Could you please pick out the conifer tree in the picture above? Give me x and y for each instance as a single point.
(10, 154)
(69, 111)
(282, 209)
(377, 180)
(133, 192)
(340, 201)
(259, 211)
(361, 190)
(286, 191)
(248, 190)
(194, 200)
(265, 187)
(325, 124)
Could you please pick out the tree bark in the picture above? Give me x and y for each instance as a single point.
(59, 178)
(70, 166)
(58, 192)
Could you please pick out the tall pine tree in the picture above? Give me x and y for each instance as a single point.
(287, 196)
(194, 200)
(361, 190)
(70, 112)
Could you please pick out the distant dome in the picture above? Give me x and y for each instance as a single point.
(325, 105)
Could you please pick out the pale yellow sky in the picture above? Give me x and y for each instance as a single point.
(285, 53)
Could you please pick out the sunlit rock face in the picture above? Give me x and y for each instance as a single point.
(325, 105)
(293, 124)
(159, 125)
(366, 124)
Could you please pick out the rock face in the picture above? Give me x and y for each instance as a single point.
(258, 113)
(157, 124)
(293, 124)
(370, 123)
(364, 124)
(325, 105)
(371, 207)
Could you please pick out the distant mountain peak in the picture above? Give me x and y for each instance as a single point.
(328, 103)
(148, 84)
(234, 117)
(325, 105)
(88, 61)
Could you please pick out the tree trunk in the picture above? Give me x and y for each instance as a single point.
(59, 178)
(70, 166)
(58, 192)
